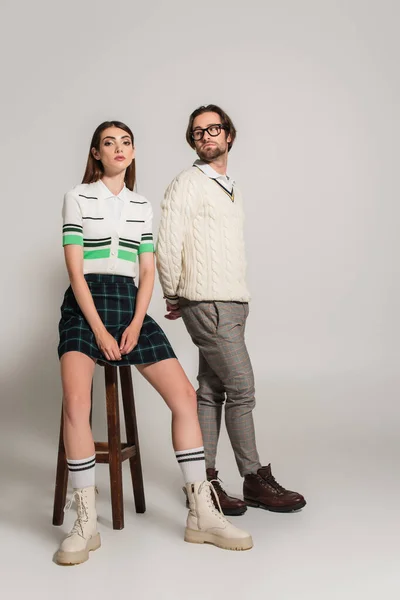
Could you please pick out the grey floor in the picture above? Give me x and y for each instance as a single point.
(344, 545)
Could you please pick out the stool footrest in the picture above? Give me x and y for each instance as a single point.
(103, 455)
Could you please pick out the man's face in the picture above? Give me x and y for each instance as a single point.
(210, 147)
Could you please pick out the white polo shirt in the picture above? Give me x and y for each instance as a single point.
(224, 180)
(113, 230)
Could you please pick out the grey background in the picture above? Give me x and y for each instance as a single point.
(313, 88)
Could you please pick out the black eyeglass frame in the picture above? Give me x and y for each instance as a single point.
(200, 129)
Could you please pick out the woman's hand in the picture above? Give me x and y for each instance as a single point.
(130, 337)
(108, 345)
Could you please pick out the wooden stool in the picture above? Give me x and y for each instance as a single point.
(114, 452)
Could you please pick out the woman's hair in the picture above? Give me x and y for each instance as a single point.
(94, 169)
(225, 120)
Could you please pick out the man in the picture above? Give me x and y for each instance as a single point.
(201, 264)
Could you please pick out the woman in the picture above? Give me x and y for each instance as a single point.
(107, 230)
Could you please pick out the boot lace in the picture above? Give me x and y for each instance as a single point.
(270, 480)
(82, 510)
(210, 490)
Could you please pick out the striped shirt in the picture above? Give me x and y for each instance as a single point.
(113, 230)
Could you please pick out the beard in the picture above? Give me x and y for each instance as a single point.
(211, 153)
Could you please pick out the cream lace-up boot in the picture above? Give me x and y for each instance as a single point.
(84, 535)
(206, 524)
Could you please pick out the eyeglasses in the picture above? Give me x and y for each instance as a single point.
(213, 130)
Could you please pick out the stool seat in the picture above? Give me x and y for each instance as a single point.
(113, 452)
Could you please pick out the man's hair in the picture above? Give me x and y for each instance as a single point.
(225, 120)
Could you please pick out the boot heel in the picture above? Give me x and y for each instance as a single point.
(95, 542)
(194, 537)
(251, 502)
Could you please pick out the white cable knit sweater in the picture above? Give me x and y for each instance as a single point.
(200, 247)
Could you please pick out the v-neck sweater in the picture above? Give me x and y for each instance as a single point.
(200, 246)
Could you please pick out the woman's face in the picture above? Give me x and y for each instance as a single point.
(116, 151)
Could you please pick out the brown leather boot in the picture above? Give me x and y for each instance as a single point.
(232, 507)
(261, 490)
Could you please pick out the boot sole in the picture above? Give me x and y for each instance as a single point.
(279, 509)
(199, 537)
(76, 558)
(234, 512)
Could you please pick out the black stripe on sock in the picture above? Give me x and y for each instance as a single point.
(189, 453)
(81, 464)
(190, 459)
(81, 468)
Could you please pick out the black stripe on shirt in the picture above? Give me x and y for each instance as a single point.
(128, 240)
(95, 244)
(72, 225)
(128, 245)
(76, 229)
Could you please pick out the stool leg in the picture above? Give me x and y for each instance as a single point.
(114, 446)
(132, 437)
(91, 406)
(60, 493)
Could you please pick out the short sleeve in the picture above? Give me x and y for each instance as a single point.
(72, 221)
(146, 241)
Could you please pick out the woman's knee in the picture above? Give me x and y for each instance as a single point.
(187, 404)
(76, 407)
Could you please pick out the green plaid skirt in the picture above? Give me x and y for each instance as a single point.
(115, 298)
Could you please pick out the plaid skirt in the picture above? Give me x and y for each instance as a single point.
(115, 299)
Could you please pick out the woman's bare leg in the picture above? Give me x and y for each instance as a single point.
(77, 373)
(204, 523)
(170, 381)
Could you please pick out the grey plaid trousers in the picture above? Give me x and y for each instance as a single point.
(225, 376)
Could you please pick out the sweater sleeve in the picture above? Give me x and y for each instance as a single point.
(170, 237)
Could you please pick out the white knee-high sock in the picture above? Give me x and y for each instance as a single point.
(82, 471)
(192, 463)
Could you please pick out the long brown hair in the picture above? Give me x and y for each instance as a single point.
(225, 120)
(94, 169)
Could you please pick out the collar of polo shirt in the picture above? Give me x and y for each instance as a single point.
(102, 192)
(212, 173)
